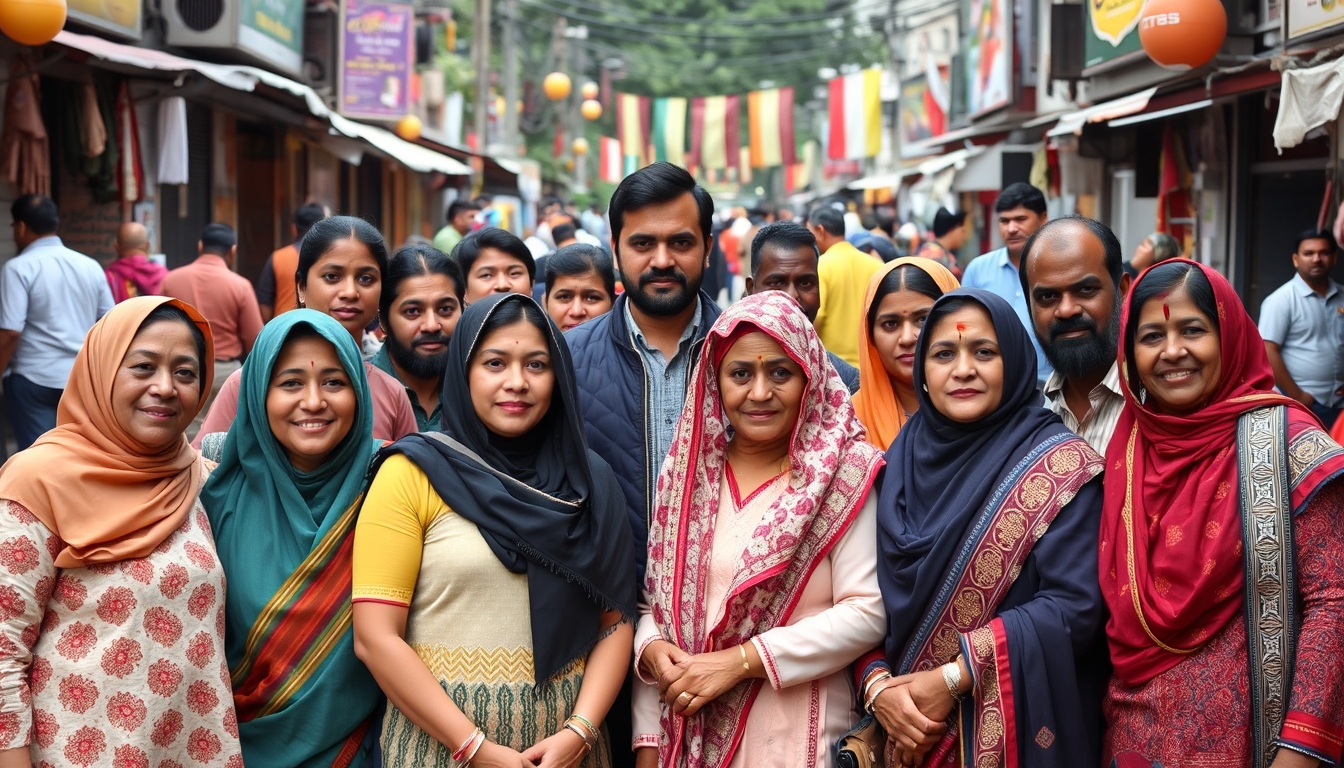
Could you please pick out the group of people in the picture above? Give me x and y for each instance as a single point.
(635, 529)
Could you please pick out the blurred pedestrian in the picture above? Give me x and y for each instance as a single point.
(580, 285)
(461, 215)
(1155, 249)
(844, 272)
(275, 287)
(50, 296)
(132, 274)
(494, 260)
(225, 298)
(949, 236)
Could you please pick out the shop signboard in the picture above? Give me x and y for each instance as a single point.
(273, 31)
(1307, 16)
(377, 47)
(915, 123)
(1112, 31)
(989, 56)
(118, 17)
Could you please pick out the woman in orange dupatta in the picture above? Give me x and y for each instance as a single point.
(899, 297)
(1228, 648)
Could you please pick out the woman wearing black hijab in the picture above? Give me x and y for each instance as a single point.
(493, 562)
(987, 532)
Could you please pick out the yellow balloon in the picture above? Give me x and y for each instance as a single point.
(32, 22)
(580, 146)
(591, 109)
(556, 86)
(590, 90)
(409, 127)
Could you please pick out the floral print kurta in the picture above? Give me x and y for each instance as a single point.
(117, 664)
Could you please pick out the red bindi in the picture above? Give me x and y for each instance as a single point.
(1166, 312)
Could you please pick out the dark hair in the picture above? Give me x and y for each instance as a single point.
(416, 261)
(581, 259)
(510, 311)
(171, 313)
(469, 248)
(886, 220)
(829, 219)
(458, 206)
(308, 215)
(782, 234)
(1115, 260)
(218, 239)
(1160, 281)
(906, 277)
(564, 231)
(1020, 195)
(658, 183)
(946, 308)
(1315, 234)
(37, 212)
(330, 231)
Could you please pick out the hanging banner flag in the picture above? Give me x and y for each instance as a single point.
(856, 115)
(632, 126)
(770, 127)
(609, 167)
(669, 130)
(744, 166)
(715, 132)
(937, 100)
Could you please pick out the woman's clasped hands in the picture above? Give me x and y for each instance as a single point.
(913, 709)
(687, 682)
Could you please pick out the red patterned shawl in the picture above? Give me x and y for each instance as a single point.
(833, 467)
(1171, 563)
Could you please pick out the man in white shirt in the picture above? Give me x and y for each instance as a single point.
(1073, 278)
(50, 296)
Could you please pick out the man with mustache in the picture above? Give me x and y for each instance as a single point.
(1073, 277)
(419, 308)
(1303, 326)
(632, 365)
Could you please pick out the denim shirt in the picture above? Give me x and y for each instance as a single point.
(667, 380)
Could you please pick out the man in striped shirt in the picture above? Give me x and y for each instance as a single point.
(1073, 277)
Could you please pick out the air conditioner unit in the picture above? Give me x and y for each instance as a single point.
(240, 29)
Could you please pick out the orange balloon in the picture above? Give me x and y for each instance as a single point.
(591, 109)
(32, 22)
(556, 86)
(569, 164)
(589, 90)
(580, 146)
(408, 127)
(1182, 34)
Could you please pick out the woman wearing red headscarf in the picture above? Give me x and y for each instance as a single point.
(1222, 546)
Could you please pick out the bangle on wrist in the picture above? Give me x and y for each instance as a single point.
(952, 679)
(746, 665)
(584, 727)
(877, 689)
(460, 754)
(873, 679)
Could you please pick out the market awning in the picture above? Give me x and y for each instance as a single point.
(956, 159)
(1073, 122)
(973, 131)
(244, 78)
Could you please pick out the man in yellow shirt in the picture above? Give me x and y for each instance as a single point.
(844, 272)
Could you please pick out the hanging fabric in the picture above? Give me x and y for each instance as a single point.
(130, 171)
(173, 140)
(25, 159)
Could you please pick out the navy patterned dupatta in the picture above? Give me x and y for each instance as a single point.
(987, 537)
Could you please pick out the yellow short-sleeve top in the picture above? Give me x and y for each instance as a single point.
(398, 510)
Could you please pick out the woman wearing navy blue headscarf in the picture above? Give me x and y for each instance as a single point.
(987, 532)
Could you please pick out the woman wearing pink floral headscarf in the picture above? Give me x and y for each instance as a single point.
(762, 582)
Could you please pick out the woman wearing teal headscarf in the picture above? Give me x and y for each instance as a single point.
(282, 505)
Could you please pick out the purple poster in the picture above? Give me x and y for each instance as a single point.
(376, 52)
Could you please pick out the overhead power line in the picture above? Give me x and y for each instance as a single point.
(736, 21)
(654, 31)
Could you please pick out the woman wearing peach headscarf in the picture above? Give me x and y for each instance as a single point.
(899, 297)
(110, 580)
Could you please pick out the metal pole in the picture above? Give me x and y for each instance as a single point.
(509, 136)
(580, 77)
(480, 58)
